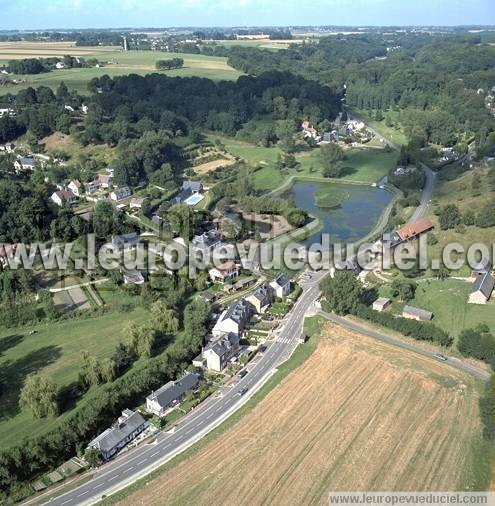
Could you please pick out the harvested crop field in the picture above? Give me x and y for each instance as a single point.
(19, 50)
(356, 415)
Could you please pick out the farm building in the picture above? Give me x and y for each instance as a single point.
(381, 304)
(170, 394)
(414, 313)
(414, 230)
(482, 289)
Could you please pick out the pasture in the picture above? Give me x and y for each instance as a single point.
(116, 63)
(55, 350)
(356, 415)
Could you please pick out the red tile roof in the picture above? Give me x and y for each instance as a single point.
(415, 229)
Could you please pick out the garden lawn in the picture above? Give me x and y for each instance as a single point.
(55, 350)
(448, 302)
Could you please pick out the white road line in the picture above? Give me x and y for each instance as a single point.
(99, 485)
(68, 500)
(142, 462)
(83, 493)
(114, 477)
(153, 454)
(130, 468)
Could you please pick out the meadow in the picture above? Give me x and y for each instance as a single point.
(339, 422)
(115, 63)
(362, 165)
(54, 349)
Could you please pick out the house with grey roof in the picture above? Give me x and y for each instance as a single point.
(121, 193)
(169, 395)
(127, 428)
(261, 298)
(415, 313)
(234, 318)
(281, 286)
(24, 163)
(208, 241)
(189, 188)
(482, 288)
(125, 242)
(219, 351)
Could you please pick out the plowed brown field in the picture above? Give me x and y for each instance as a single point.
(357, 415)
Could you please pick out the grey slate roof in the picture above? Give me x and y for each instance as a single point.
(282, 280)
(484, 284)
(421, 313)
(239, 311)
(125, 240)
(193, 186)
(112, 437)
(174, 390)
(223, 345)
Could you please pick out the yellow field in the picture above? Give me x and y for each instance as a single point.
(19, 50)
(357, 415)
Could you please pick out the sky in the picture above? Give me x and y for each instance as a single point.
(44, 14)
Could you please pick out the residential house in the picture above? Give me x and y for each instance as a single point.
(91, 187)
(75, 187)
(482, 289)
(120, 193)
(414, 313)
(9, 147)
(157, 220)
(5, 251)
(309, 131)
(169, 395)
(218, 352)
(127, 428)
(189, 188)
(261, 298)
(234, 318)
(105, 180)
(62, 197)
(224, 272)
(208, 241)
(24, 163)
(381, 304)
(125, 242)
(132, 277)
(281, 286)
(414, 230)
(136, 203)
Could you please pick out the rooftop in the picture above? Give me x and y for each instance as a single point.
(414, 229)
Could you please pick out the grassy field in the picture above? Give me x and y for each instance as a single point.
(330, 196)
(448, 302)
(395, 134)
(363, 165)
(261, 44)
(19, 50)
(123, 63)
(356, 415)
(55, 349)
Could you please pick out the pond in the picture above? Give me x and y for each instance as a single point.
(352, 220)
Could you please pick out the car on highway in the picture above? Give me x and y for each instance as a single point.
(242, 374)
(242, 391)
(441, 357)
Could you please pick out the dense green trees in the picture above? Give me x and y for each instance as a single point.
(342, 292)
(173, 63)
(449, 217)
(478, 343)
(331, 156)
(39, 394)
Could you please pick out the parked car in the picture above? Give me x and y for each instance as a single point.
(242, 391)
(242, 374)
(441, 357)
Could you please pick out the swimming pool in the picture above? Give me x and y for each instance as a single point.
(194, 199)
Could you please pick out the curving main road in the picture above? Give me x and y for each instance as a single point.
(139, 462)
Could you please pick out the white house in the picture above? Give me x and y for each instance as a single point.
(234, 318)
(136, 203)
(220, 351)
(169, 395)
(91, 187)
(227, 270)
(281, 286)
(24, 163)
(75, 187)
(63, 197)
(120, 194)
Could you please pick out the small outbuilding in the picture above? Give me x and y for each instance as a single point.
(381, 304)
(415, 313)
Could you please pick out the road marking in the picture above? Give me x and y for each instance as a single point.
(153, 454)
(83, 493)
(142, 462)
(114, 477)
(68, 500)
(130, 468)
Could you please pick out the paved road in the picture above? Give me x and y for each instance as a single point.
(454, 362)
(142, 460)
(420, 211)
